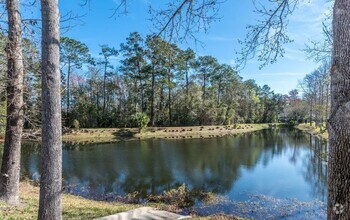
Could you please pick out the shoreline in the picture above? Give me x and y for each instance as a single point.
(312, 130)
(168, 133)
(105, 135)
(77, 207)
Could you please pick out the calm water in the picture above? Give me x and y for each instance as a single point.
(269, 173)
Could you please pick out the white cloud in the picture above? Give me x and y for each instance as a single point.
(306, 21)
(294, 54)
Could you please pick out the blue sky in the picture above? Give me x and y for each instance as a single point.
(221, 41)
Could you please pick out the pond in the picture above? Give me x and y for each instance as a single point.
(275, 173)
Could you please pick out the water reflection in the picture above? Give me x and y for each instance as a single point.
(281, 163)
(228, 166)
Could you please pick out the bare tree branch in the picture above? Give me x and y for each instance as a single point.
(266, 38)
(183, 19)
(321, 50)
(120, 9)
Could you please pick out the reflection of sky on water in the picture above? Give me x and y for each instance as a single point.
(264, 207)
(258, 179)
(276, 163)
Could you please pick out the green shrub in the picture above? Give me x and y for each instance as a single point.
(142, 120)
(292, 122)
(75, 124)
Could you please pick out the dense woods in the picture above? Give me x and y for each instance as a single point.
(169, 85)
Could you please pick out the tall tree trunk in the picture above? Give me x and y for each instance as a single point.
(119, 94)
(67, 119)
(219, 93)
(339, 120)
(104, 88)
(135, 96)
(204, 86)
(152, 96)
(310, 122)
(316, 109)
(51, 153)
(97, 97)
(68, 86)
(142, 96)
(169, 101)
(10, 169)
(187, 98)
(187, 82)
(322, 107)
(327, 99)
(160, 113)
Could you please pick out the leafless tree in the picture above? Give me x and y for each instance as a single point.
(265, 39)
(321, 50)
(183, 19)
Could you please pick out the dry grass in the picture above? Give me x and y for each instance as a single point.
(100, 135)
(74, 207)
(200, 131)
(119, 134)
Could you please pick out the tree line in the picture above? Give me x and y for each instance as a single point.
(266, 38)
(153, 77)
(310, 102)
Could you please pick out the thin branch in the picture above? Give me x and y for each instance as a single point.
(269, 34)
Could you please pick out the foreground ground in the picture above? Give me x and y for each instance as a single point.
(74, 207)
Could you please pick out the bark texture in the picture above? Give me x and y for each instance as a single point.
(10, 169)
(51, 159)
(339, 120)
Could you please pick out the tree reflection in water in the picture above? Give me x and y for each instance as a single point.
(227, 166)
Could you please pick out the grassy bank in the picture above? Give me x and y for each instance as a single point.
(119, 134)
(75, 207)
(312, 130)
(91, 135)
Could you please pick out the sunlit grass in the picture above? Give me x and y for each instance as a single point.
(180, 132)
(74, 207)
